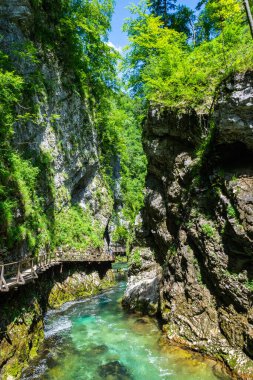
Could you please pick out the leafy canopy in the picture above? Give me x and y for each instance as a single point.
(165, 67)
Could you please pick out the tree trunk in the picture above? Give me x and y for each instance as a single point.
(165, 15)
(249, 15)
(193, 32)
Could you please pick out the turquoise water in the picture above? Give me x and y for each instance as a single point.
(95, 339)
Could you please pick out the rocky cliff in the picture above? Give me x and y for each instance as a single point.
(193, 263)
(52, 192)
(54, 132)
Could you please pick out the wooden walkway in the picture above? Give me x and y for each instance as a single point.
(118, 249)
(20, 272)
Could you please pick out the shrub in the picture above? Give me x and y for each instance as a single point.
(76, 228)
(207, 230)
(231, 211)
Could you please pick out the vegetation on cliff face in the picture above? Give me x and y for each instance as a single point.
(121, 144)
(34, 215)
(78, 40)
(20, 203)
(72, 225)
(198, 166)
(183, 70)
(78, 31)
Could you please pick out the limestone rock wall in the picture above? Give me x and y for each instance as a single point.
(55, 131)
(60, 132)
(197, 222)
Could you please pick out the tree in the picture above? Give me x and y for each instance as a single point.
(214, 15)
(173, 73)
(163, 8)
(249, 15)
(183, 21)
(178, 17)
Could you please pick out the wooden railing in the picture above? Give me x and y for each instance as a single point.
(117, 249)
(20, 272)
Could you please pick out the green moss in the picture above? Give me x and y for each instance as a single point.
(79, 286)
(25, 334)
(169, 329)
(165, 309)
(172, 251)
(135, 258)
(37, 340)
(13, 368)
(231, 211)
(76, 228)
(208, 230)
(249, 285)
(120, 233)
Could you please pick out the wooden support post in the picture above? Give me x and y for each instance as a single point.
(39, 263)
(33, 271)
(20, 278)
(44, 263)
(3, 285)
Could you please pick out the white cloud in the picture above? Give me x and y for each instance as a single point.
(118, 48)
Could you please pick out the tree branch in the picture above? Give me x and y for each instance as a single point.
(249, 15)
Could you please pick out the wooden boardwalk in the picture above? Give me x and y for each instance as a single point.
(20, 272)
(118, 249)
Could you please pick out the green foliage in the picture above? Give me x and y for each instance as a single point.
(177, 17)
(21, 205)
(77, 31)
(172, 251)
(204, 146)
(121, 233)
(215, 14)
(207, 230)
(122, 147)
(21, 211)
(25, 52)
(135, 258)
(231, 212)
(162, 66)
(249, 285)
(75, 228)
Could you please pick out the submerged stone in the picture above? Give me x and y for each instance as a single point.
(142, 320)
(114, 371)
(96, 350)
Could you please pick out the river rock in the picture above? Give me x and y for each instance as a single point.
(142, 291)
(114, 371)
(96, 350)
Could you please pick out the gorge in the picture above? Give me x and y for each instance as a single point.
(163, 169)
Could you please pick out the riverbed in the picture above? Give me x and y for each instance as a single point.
(96, 339)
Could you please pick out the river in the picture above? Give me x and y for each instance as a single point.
(96, 339)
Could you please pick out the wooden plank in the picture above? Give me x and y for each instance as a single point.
(28, 271)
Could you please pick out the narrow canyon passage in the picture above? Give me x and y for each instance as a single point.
(95, 339)
(126, 136)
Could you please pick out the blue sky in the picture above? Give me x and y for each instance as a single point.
(117, 37)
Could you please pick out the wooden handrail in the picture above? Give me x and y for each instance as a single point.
(19, 272)
(117, 248)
